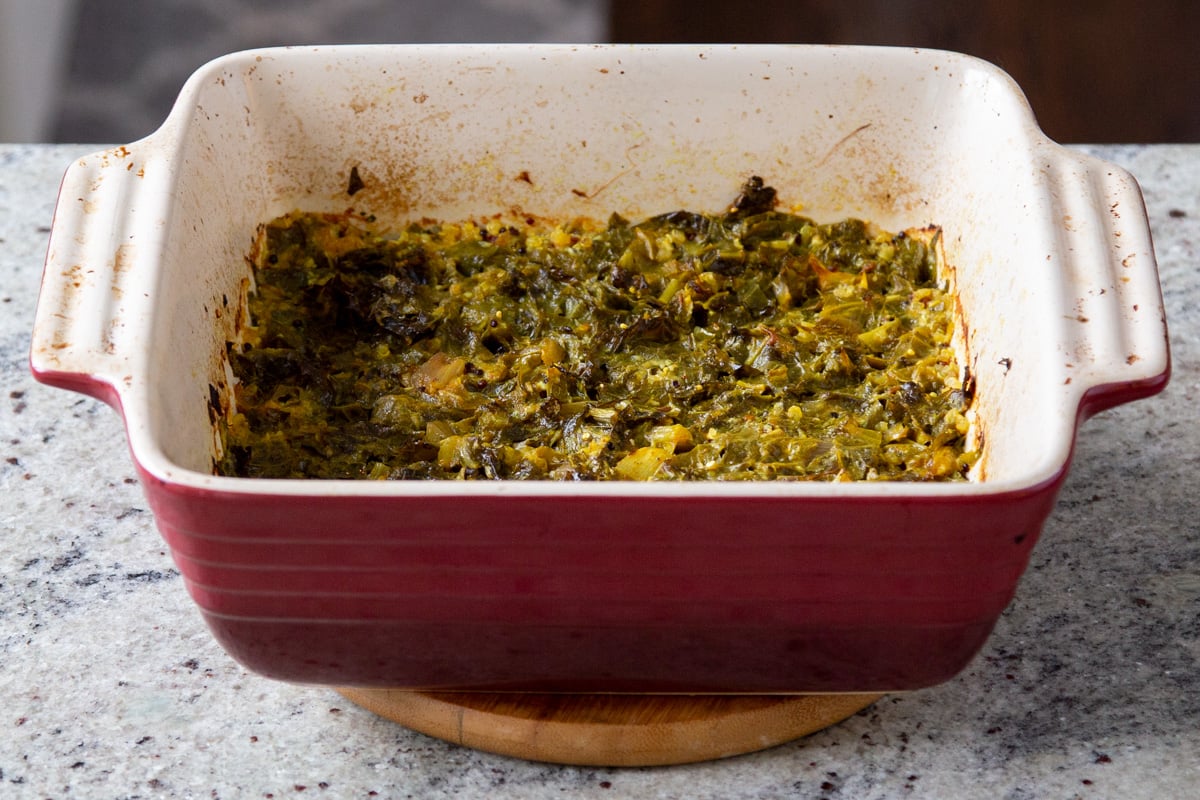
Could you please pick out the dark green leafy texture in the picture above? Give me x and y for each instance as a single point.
(752, 344)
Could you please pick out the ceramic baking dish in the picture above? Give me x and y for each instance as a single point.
(664, 587)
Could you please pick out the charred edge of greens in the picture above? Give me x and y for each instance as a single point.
(751, 344)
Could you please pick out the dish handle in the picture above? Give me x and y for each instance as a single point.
(95, 298)
(1116, 325)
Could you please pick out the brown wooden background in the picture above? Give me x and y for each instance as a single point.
(1104, 71)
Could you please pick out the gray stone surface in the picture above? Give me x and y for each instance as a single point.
(110, 685)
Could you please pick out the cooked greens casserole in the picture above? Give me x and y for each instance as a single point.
(750, 344)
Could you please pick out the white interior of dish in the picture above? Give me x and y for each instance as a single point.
(899, 137)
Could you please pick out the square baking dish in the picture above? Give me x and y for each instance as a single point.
(759, 587)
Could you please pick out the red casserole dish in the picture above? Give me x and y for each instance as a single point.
(756, 587)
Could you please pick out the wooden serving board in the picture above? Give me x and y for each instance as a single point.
(611, 730)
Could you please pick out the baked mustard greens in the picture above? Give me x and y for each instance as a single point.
(748, 344)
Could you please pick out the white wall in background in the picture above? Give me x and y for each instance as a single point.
(34, 40)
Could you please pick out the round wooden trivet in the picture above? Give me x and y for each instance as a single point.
(611, 730)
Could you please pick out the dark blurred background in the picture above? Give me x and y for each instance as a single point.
(1098, 71)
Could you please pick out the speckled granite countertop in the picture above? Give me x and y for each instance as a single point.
(111, 687)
